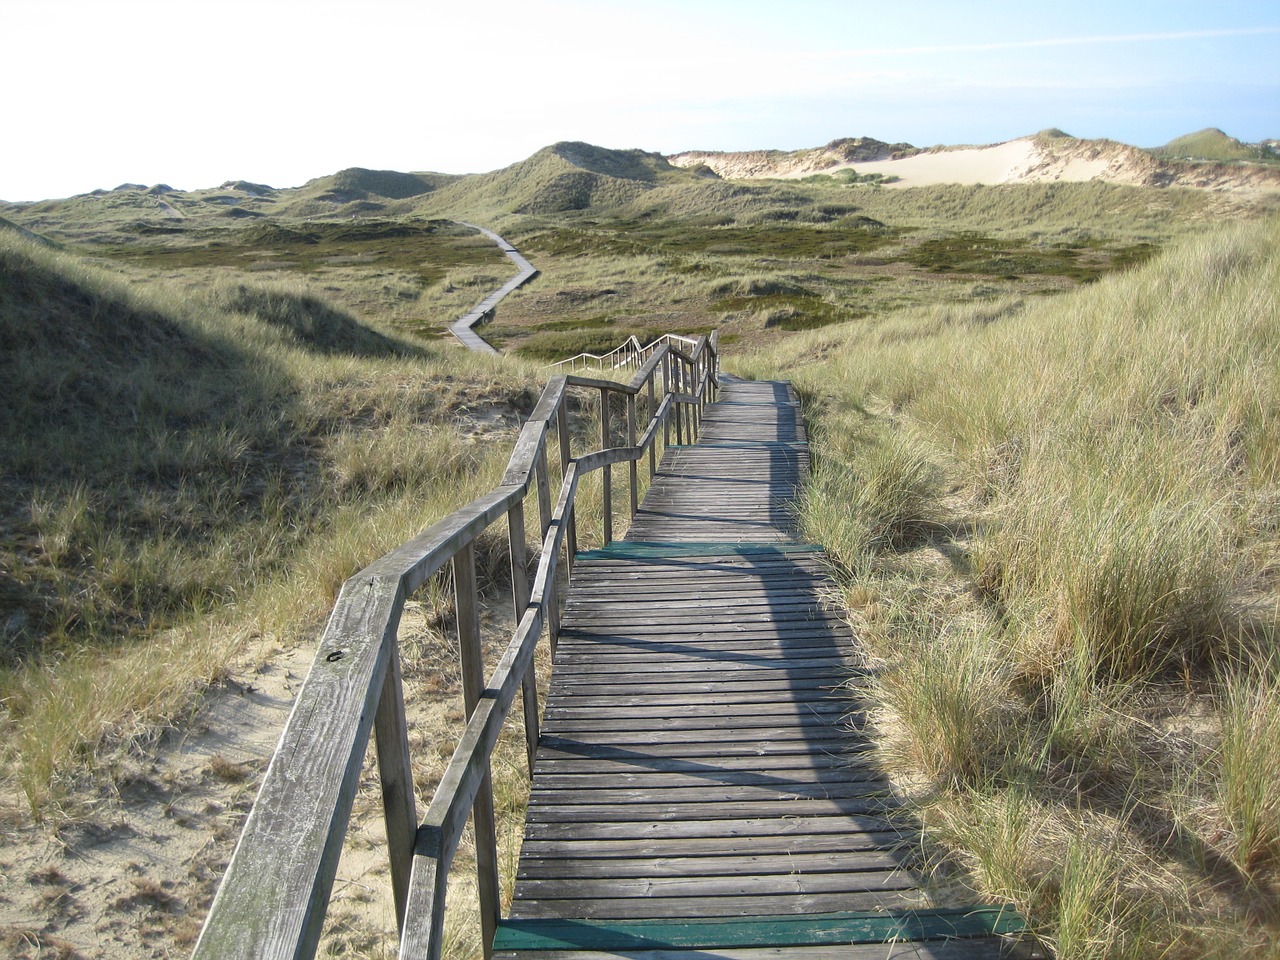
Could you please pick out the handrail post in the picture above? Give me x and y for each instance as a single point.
(520, 599)
(653, 447)
(473, 684)
(395, 774)
(631, 442)
(686, 408)
(677, 382)
(571, 522)
(666, 389)
(695, 411)
(544, 516)
(607, 472)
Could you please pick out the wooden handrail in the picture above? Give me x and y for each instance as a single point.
(273, 898)
(630, 351)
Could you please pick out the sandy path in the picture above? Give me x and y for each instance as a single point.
(132, 879)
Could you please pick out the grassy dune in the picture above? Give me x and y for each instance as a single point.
(1048, 469)
(1062, 551)
(184, 470)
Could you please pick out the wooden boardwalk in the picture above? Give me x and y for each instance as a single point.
(698, 791)
(464, 327)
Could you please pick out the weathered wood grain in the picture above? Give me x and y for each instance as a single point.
(698, 756)
(273, 898)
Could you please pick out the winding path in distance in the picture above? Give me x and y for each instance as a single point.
(463, 328)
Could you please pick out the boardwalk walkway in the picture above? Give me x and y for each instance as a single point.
(464, 327)
(697, 792)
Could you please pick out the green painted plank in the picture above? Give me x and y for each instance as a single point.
(786, 931)
(668, 550)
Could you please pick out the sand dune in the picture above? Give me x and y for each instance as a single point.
(1035, 159)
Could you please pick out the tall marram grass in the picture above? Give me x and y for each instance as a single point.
(185, 471)
(1078, 645)
(1248, 769)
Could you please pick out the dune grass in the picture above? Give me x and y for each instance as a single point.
(183, 472)
(1057, 526)
(1057, 518)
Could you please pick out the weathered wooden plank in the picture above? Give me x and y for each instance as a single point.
(723, 728)
(395, 775)
(473, 683)
(679, 679)
(714, 866)
(726, 906)
(806, 777)
(564, 716)
(856, 757)
(699, 795)
(752, 827)
(689, 686)
(649, 755)
(658, 566)
(713, 628)
(586, 851)
(650, 813)
(739, 885)
(623, 655)
(761, 640)
(675, 670)
(697, 757)
(272, 900)
(760, 691)
(794, 602)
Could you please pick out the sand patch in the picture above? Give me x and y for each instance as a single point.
(1002, 163)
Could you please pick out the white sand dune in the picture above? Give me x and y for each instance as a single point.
(1046, 157)
(1011, 162)
(1002, 163)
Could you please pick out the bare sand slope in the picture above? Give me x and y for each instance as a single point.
(1035, 159)
(1002, 163)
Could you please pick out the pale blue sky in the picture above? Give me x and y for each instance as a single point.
(192, 93)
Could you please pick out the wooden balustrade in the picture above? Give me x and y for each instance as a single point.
(274, 896)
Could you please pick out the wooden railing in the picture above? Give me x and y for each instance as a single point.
(629, 355)
(274, 896)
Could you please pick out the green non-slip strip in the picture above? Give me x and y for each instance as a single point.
(660, 550)
(828, 929)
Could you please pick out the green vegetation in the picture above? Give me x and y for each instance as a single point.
(849, 177)
(1045, 418)
(428, 249)
(183, 472)
(970, 252)
(1213, 145)
(1056, 522)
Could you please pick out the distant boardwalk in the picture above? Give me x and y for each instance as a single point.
(463, 328)
(699, 790)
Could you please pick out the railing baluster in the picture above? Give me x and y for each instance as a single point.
(520, 599)
(695, 410)
(666, 389)
(275, 895)
(571, 522)
(631, 442)
(471, 655)
(677, 385)
(395, 774)
(653, 447)
(544, 515)
(607, 480)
